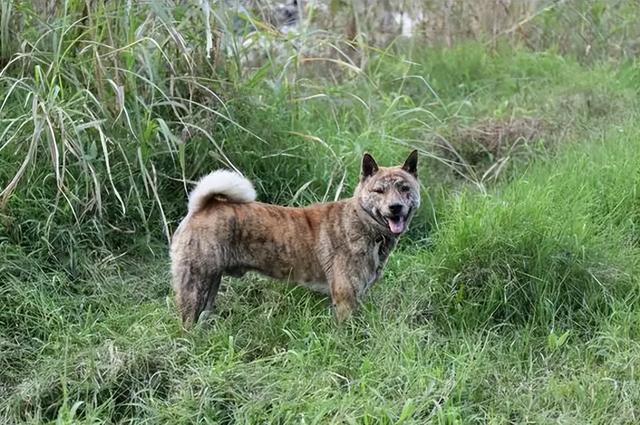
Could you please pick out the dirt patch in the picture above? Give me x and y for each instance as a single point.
(484, 149)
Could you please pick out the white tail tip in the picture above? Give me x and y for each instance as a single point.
(224, 183)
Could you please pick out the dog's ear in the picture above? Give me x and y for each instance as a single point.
(369, 166)
(411, 164)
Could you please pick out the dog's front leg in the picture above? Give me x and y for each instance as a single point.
(343, 295)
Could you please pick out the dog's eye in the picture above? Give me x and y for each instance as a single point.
(404, 188)
(378, 189)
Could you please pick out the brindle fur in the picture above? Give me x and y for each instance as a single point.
(336, 248)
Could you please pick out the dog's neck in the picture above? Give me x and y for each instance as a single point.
(369, 226)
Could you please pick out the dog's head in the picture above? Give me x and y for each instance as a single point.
(389, 195)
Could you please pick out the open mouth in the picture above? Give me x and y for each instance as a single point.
(396, 223)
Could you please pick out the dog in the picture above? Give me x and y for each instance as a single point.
(335, 248)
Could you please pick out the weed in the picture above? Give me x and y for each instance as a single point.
(513, 299)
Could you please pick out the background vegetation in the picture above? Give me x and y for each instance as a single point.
(513, 299)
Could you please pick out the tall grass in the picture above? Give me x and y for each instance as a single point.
(514, 299)
(557, 246)
(525, 310)
(103, 105)
(96, 92)
(113, 108)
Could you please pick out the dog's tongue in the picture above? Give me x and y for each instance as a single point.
(396, 225)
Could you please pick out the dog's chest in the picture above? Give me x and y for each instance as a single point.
(378, 258)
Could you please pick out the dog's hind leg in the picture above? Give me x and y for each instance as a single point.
(196, 286)
(211, 297)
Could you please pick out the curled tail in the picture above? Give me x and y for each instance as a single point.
(223, 183)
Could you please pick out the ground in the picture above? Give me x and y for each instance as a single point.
(513, 299)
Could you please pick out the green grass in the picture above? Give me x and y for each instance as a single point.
(514, 298)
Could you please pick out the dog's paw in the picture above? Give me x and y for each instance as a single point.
(205, 320)
(342, 312)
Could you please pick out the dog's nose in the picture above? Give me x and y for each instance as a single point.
(395, 208)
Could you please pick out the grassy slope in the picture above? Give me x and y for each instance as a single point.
(514, 303)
